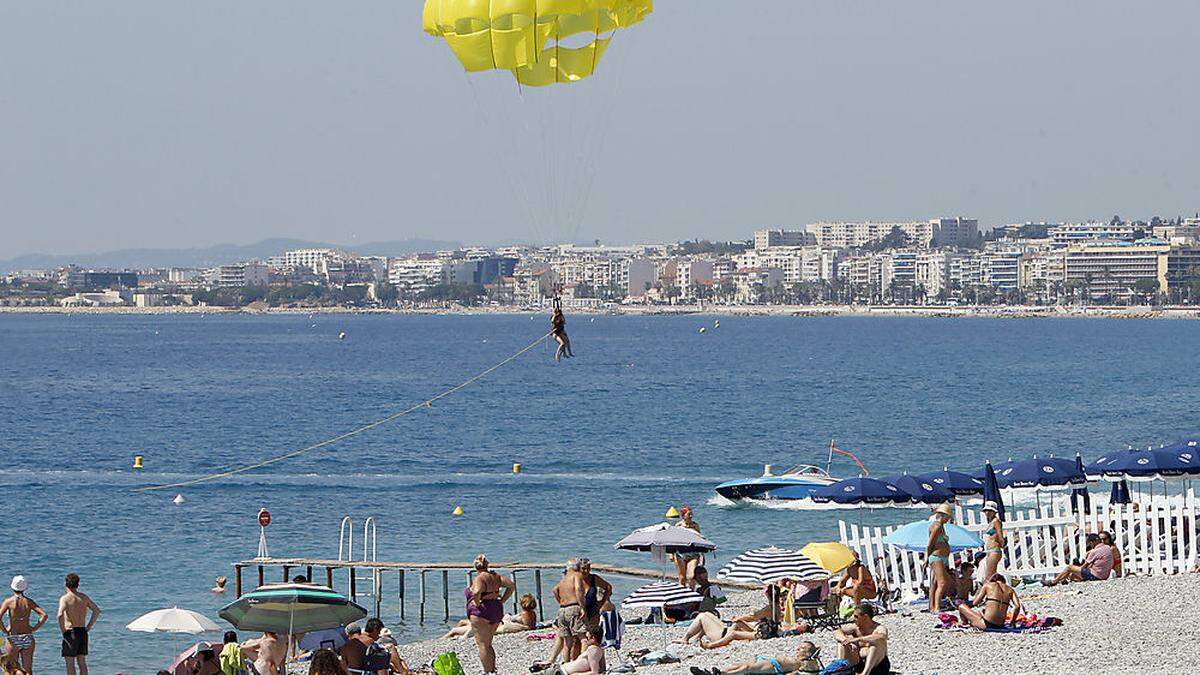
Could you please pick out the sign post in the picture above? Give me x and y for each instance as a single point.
(264, 519)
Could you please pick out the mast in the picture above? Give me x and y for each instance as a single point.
(829, 461)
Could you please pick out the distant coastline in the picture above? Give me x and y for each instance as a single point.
(987, 311)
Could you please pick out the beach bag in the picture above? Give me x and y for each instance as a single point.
(766, 629)
(447, 664)
(377, 659)
(838, 667)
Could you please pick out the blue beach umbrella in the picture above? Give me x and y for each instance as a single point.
(955, 481)
(861, 491)
(915, 537)
(1153, 464)
(1044, 473)
(1080, 497)
(1119, 493)
(921, 490)
(1095, 470)
(991, 490)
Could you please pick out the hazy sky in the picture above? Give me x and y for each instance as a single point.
(131, 123)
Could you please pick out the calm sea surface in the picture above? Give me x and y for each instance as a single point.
(652, 413)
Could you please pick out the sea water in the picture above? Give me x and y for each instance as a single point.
(651, 414)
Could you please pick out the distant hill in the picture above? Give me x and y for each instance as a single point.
(211, 255)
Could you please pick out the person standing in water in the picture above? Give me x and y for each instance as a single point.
(686, 563)
(19, 632)
(75, 623)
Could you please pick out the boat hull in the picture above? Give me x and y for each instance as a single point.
(769, 488)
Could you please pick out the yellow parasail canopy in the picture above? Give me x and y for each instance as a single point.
(542, 42)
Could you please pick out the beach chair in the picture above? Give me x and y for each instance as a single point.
(819, 608)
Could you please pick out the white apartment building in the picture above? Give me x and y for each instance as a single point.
(1113, 268)
(770, 238)
(899, 268)
(416, 274)
(1187, 234)
(315, 259)
(688, 272)
(1000, 269)
(598, 272)
(237, 276)
(1070, 234)
(933, 270)
(850, 235)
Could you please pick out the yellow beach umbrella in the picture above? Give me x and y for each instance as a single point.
(831, 556)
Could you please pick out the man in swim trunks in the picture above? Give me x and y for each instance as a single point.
(19, 632)
(863, 643)
(803, 661)
(570, 622)
(75, 623)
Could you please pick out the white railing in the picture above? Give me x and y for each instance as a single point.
(1156, 535)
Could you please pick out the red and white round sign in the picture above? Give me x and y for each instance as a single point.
(264, 518)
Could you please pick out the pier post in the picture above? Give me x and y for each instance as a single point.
(446, 594)
(378, 587)
(237, 580)
(260, 575)
(516, 595)
(421, 598)
(308, 574)
(287, 573)
(401, 595)
(353, 585)
(329, 577)
(537, 584)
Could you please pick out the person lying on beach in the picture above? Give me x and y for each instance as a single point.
(803, 661)
(863, 643)
(511, 623)
(1097, 564)
(993, 600)
(590, 661)
(857, 583)
(715, 634)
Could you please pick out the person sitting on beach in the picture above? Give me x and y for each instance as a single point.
(569, 623)
(686, 563)
(364, 653)
(711, 597)
(558, 328)
(526, 620)
(206, 662)
(1106, 539)
(18, 609)
(597, 593)
(1097, 564)
(220, 585)
(326, 662)
(590, 661)
(857, 583)
(995, 597)
(803, 661)
(937, 556)
(863, 643)
(964, 582)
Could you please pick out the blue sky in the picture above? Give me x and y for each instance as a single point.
(167, 123)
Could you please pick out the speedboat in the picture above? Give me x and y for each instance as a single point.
(795, 483)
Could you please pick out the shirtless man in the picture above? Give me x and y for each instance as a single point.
(591, 661)
(269, 652)
(995, 597)
(75, 624)
(863, 643)
(366, 645)
(19, 632)
(570, 623)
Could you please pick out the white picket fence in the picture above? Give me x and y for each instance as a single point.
(1156, 535)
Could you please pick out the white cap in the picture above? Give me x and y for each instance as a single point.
(990, 506)
(19, 584)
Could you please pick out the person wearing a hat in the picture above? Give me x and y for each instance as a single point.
(14, 622)
(686, 563)
(937, 557)
(993, 540)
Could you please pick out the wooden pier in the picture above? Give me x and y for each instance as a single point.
(283, 569)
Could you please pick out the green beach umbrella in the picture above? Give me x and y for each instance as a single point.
(291, 608)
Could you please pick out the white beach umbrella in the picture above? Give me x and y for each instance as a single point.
(174, 620)
(764, 565)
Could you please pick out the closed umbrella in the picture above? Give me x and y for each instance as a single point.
(660, 595)
(915, 537)
(291, 608)
(955, 481)
(1119, 493)
(921, 490)
(832, 556)
(764, 565)
(991, 490)
(1080, 497)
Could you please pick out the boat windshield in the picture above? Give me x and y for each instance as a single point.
(806, 470)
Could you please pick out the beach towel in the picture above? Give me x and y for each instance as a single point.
(231, 660)
(613, 627)
(838, 667)
(447, 664)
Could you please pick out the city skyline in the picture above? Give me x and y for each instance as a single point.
(350, 125)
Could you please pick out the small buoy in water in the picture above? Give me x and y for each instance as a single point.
(313, 326)
(516, 468)
(592, 320)
(178, 500)
(156, 332)
(485, 341)
(457, 511)
(702, 329)
(342, 335)
(672, 513)
(137, 461)
(717, 323)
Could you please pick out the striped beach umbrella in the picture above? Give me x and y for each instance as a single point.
(660, 594)
(291, 608)
(764, 565)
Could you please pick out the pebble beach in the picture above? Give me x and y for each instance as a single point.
(1127, 625)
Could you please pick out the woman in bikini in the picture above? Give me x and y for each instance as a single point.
(937, 556)
(686, 563)
(558, 328)
(485, 609)
(993, 540)
(857, 583)
(994, 597)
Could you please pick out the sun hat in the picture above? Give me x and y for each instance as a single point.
(19, 584)
(945, 510)
(991, 506)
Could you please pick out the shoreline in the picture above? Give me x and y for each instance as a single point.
(1101, 620)
(801, 311)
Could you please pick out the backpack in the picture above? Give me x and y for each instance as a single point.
(838, 667)
(376, 659)
(447, 664)
(766, 629)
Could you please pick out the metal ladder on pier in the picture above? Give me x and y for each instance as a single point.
(370, 553)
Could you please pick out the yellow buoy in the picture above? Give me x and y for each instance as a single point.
(672, 513)
(516, 468)
(458, 511)
(137, 462)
